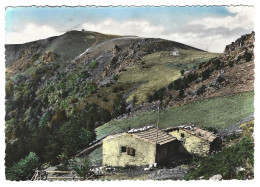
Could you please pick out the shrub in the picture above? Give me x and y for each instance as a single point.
(181, 93)
(119, 106)
(9, 125)
(200, 65)
(248, 56)
(52, 150)
(150, 98)
(201, 89)
(93, 64)
(108, 85)
(35, 57)
(31, 125)
(74, 91)
(72, 78)
(205, 74)
(81, 168)
(220, 79)
(8, 89)
(115, 77)
(157, 95)
(103, 115)
(105, 99)
(17, 78)
(91, 88)
(170, 86)
(78, 131)
(180, 84)
(182, 72)
(240, 57)
(85, 135)
(115, 89)
(72, 138)
(23, 169)
(74, 100)
(64, 104)
(135, 100)
(44, 119)
(121, 88)
(59, 116)
(217, 64)
(192, 76)
(84, 75)
(231, 64)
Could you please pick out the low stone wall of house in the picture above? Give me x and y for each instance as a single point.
(193, 144)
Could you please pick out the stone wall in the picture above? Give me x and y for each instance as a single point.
(113, 156)
(165, 151)
(192, 144)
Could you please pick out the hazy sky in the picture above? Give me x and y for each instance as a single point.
(208, 28)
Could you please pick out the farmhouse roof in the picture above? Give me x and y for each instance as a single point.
(196, 131)
(148, 133)
(152, 134)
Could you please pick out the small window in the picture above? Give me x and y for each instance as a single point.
(123, 149)
(182, 135)
(131, 152)
(128, 150)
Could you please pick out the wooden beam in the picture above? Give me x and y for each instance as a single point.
(58, 171)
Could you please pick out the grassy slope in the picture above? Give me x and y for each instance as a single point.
(218, 112)
(161, 68)
(238, 152)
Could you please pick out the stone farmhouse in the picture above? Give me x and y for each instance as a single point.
(149, 145)
(139, 147)
(196, 140)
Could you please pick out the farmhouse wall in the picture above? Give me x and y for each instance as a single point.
(166, 151)
(193, 144)
(162, 153)
(113, 156)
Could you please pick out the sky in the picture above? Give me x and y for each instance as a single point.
(207, 28)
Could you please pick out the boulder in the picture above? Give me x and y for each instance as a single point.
(216, 177)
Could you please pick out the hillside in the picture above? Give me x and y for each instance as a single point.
(228, 75)
(58, 90)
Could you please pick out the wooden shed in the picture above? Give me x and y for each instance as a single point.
(139, 147)
(196, 141)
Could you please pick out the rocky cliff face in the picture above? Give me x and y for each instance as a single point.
(242, 44)
(231, 72)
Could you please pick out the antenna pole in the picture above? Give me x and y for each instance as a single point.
(157, 129)
(158, 114)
